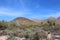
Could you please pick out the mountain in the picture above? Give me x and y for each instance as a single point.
(51, 19)
(37, 21)
(44, 21)
(22, 20)
(57, 22)
(58, 17)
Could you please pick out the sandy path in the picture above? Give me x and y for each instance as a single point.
(3, 37)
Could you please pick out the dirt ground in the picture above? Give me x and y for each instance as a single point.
(4, 37)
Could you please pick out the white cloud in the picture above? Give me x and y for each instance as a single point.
(9, 12)
(42, 16)
(14, 13)
(57, 14)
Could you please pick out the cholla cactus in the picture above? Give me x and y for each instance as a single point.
(12, 37)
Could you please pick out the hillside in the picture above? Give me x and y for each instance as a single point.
(22, 20)
(57, 22)
(37, 21)
(24, 27)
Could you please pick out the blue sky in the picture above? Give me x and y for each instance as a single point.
(32, 9)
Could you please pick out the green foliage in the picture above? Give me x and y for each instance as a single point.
(51, 23)
(12, 37)
(36, 36)
(27, 35)
(29, 30)
(3, 25)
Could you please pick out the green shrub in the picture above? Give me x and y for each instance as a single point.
(36, 36)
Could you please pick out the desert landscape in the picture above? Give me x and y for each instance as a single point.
(22, 28)
(29, 19)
